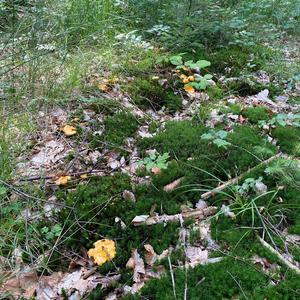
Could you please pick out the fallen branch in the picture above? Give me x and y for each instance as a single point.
(237, 179)
(53, 176)
(280, 256)
(198, 214)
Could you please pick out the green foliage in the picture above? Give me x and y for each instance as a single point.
(285, 171)
(146, 92)
(155, 161)
(256, 114)
(217, 137)
(288, 139)
(118, 127)
(181, 139)
(217, 281)
(51, 233)
(248, 184)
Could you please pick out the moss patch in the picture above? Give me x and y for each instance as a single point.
(149, 93)
(118, 127)
(288, 139)
(256, 114)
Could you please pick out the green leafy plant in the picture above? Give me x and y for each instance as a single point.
(51, 232)
(155, 161)
(190, 72)
(217, 137)
(248, 185)
(282, 120)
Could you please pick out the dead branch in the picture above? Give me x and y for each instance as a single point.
(235, 180)
(280, 256)
(198, 214)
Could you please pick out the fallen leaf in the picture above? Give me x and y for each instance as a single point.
(62, 180)
(196, 255)
(84, 176)
(140, 219)
(150, 256)
(69, 130)
(227, 211)
(138, 266)
(191, 78)
(189, 89)
(173, 185)
(128, 195)
(105, 250)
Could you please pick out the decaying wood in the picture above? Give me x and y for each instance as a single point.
(199, 214)
(280, 256)
(238, 178)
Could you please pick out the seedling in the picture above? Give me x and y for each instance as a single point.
(52, 233)
(217, 137)
(155, 161)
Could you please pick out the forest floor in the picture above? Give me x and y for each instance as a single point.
(186, 173)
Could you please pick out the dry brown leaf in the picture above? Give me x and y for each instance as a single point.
(173, 185)
(69, 130)
(83, 176)
(150, 256)
(105, 250)
(137, 263)
(196, 254)
(128, 195)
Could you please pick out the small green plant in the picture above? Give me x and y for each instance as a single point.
(248, 185)
(217, 137)
(51, 232)
(190, 73)
(155, 161)
(282, 120)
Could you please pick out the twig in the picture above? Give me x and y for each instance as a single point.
(198, 214)
(237, 179)
(53, 176)
(172, 278)
(280, 257)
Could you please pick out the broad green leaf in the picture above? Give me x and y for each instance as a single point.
(176, 60)
(203, 64)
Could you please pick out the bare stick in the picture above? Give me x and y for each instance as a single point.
(280, 257)
(198, 214)
(237, 179)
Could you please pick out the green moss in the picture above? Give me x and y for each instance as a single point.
(118, 127)
(215, 92)
(101, 106)
(97, 204)
(235, 108)
(139, 67)
(147, 92)
(225, 280)
(288, 139)
(234, 60)
(183, 140)
(180, 138)
(256, 114)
